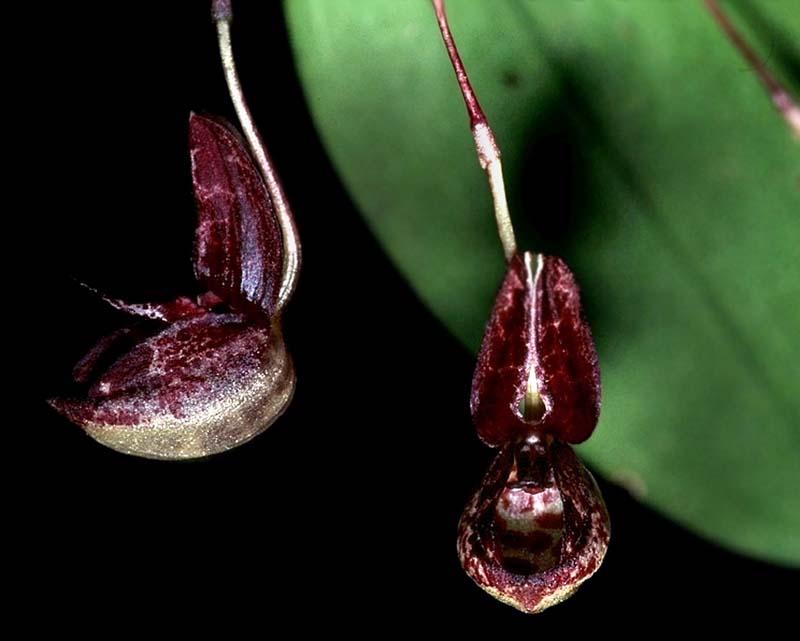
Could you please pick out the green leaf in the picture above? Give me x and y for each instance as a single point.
(639, 146)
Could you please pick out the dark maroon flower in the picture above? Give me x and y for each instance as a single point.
(537, 527)
(214, 372)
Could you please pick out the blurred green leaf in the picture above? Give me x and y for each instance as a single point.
(638, 146)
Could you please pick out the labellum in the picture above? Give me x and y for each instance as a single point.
(209, 373)
(537, 527)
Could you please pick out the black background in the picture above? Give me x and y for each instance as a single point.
(343, 514)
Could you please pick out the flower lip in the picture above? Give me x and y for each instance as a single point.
(200, 386)
(532, 545)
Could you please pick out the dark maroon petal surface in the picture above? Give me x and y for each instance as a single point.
(501, 375)
(530, 538)
(238, 245)
(566, 359)
(536, 339)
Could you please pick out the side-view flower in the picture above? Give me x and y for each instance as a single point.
(198, 376)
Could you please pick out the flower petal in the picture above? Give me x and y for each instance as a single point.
(239, 250)
(537, 349)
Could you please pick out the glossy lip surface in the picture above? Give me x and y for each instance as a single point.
(199, 387)
(580, 551)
